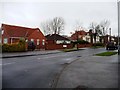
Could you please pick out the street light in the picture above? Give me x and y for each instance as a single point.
(118, 4)
(77, 40)
(110, 35)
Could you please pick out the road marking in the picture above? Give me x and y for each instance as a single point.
(6, 63)
(50, 57)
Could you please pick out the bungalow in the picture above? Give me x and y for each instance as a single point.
(56, 41)
(12, 34)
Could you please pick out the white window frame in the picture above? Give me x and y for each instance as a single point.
(32, 40)
(38, 41)
(0, 40)
(5, 40)
(43, 42)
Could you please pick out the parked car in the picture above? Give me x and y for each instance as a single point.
(111, 46)
(31, 46)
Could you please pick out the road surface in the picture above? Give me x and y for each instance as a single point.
(39, 71)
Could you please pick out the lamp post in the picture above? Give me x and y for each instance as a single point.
(118, 4)
(110, 34)
(77, 39)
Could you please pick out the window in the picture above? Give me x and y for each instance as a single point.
(26, 40)
(0, 40)
(59, 41)
(5, 40)
(32, 40)
(43, 42)
(38, 42)
(2, 32)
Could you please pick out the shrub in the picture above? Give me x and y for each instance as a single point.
(15, 47)
(31, 45)
(81, 42)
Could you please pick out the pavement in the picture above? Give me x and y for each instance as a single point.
(91, 72)
(29, 53)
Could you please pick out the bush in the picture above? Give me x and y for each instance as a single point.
(16, 47)
(31, 45)
(81, 42)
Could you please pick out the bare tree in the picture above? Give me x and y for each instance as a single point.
(104, 25)
(78, 26)
(46, 26)
(92, 26)
(55, 26)
(58, 25)
(99, 29)
(93, 31)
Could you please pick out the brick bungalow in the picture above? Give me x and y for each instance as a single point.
(56, 41)
(12, 34)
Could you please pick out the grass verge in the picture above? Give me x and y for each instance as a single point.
(106, 54)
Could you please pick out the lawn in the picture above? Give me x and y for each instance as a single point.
(106, 54)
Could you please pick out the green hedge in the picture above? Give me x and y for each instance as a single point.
(17, 47)
(81, 42)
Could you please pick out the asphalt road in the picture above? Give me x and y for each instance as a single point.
(38, 71)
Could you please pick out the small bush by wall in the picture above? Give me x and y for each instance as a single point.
(81, 42)
(16, 47)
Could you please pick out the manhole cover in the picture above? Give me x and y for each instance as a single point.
(78, 56)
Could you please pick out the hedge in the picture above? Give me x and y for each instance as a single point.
(16, 47)
(81, 42)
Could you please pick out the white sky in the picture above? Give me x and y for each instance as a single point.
(31, 14)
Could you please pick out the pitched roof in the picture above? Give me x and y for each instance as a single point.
(18, 31)
(56, 37)
(82, 32)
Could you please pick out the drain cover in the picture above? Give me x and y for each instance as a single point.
(78, 56)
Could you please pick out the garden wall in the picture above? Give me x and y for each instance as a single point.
(58, 46)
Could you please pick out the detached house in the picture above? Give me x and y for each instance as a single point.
(82, 35)
(12, 34)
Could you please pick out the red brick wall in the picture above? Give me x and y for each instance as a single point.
(84, 45)
(37, 35)
(57, 46)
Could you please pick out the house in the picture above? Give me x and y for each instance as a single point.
(107, 38)
(12, 34)
(83, 35)
(56, 41)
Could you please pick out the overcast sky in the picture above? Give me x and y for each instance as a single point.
(31, 14)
